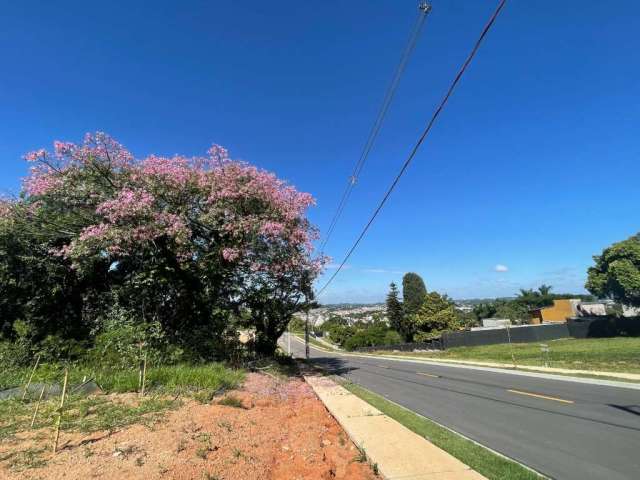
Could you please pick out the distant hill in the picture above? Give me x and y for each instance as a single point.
(344, 306)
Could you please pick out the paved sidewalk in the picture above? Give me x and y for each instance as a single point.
(399, 453)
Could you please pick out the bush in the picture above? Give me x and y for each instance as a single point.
(371, 334)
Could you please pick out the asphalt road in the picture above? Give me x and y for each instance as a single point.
(563, 429)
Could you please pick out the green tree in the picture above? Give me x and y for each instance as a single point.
(484, 310)
(413, 292)
(529, 298)
(436, 315)
(616, 273)
(511, 310)
(395, 313)
(193, 244)
(544, 289)
(467, 319)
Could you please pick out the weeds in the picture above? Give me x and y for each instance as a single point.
(231, 401)
(25, 459)
(226, 425)
(182, 444)
(202, 452)
(361, 456)
(86, 415)
(205, 447)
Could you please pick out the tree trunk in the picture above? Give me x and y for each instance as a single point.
(265, 344)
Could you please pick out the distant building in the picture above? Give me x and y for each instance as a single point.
(492, 324)
(558, 313)
(592, 309)
(495, 322)
(566, 308)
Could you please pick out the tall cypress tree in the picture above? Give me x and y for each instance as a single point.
(394, 309)
(413, 292)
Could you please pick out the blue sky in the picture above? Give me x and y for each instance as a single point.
(534, 164)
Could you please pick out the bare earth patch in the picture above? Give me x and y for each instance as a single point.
(280, 431)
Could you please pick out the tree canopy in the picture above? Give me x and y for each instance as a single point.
(616, 273)
(413, 292)
(435, 315)
(187, 243)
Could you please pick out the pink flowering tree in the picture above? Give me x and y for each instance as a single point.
(187, 242)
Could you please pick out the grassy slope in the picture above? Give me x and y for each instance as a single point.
(620, 354)
(480, 459)
(174, 378)
(312, 341)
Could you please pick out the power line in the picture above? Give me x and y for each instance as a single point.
(426, 131)
(424, 9)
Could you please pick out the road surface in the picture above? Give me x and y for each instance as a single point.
(563, 429)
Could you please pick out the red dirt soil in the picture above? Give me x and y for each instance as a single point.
(284, 433)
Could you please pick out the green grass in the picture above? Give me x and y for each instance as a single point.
(480, 459)
(313, 341)
(167, 379)
(621, 354)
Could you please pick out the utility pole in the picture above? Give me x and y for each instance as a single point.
(289, 338)
(306, 334)
(425, 7)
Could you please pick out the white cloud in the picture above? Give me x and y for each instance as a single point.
(501, 268)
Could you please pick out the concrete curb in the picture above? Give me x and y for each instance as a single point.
(398, 453)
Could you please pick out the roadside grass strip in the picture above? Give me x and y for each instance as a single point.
(601, 355)
(484, 461)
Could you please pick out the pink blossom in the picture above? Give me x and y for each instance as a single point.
(41, 181)
(128, 203)
(272, 229)
(230, 254)
(63, 149)
(191, 201)
(175, 170)
(6, 207)
(219, 155)
(36, 155)
(94, 231)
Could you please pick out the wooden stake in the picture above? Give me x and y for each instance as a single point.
(144, 373)
(140, 366)
(64, 391)
(26, 387)
(33, 420)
